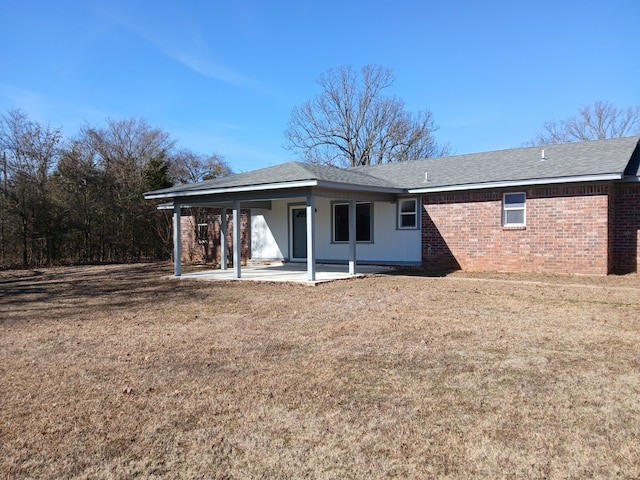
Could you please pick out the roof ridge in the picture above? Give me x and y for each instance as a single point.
(536, 147)
(577, 160)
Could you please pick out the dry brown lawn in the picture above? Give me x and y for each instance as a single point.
(115, 372)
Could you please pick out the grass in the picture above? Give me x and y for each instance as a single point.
(114, 372)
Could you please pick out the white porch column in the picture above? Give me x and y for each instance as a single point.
(352, 237)
(311, 238)
(177, 240)
(236, 240)
(223, 239)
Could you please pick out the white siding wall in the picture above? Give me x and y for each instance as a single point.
(269, 232)
(270, 235)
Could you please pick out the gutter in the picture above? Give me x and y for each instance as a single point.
(519, 183)
(631, 179)
(273, 186)
(239, 189)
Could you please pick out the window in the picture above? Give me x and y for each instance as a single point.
(408, 213)
(513, 210)
(341, 222)
(203, 230)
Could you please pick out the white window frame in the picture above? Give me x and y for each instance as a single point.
(203, 238)
(413, 213)
(510, 208)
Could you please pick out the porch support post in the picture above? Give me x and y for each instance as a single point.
(236, 239)
(352, 237)
(177, 240)
(311, 238)
(223, 238)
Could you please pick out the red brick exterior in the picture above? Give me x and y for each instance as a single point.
(625, 228)
(208, 251)
(588, 229)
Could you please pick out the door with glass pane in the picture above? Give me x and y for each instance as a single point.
(298, 233)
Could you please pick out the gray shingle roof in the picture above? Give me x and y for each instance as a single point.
(567, 161)
(519, 164)
(282, 174)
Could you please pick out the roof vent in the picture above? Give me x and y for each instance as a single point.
(542, 157)
(426, 177)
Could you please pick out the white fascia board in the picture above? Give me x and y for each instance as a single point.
(239, 189)
(360, 188)
(518, 183)
(274, 186)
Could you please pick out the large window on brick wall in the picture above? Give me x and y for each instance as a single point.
(514, 209)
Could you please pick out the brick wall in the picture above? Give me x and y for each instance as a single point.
(566, 231)
(209, 251)
(625, 229)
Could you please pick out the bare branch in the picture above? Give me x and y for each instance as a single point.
(597, 122)
(351, 122)
(189, 167)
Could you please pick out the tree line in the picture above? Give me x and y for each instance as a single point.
(80, 199)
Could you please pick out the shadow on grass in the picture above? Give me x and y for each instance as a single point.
(421, 272)
(70, 290)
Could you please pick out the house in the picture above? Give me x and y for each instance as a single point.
(571, 208)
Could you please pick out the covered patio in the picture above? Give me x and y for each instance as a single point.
(294, 182)
(284, 272)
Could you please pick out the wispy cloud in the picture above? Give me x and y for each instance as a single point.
(178, 37)
(17, 97)
(199, 62)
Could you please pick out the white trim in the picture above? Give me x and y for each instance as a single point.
(238, 189)
(360, 188)
(400, 213)
(311, 238)
(352, 237)
(518, 183)
(273, 186)
(365, 188)
(506, 209)
(203, 238)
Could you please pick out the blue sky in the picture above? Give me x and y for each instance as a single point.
(224, 76)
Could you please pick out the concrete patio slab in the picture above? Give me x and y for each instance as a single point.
(288, 272)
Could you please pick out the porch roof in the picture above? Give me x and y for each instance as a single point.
(289, 175)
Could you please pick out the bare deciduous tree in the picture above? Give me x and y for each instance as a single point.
(81, 199)
(600, 121)
(77, 190)
(30, 152)
(351, 122)
(129, 153)
(190, 167)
